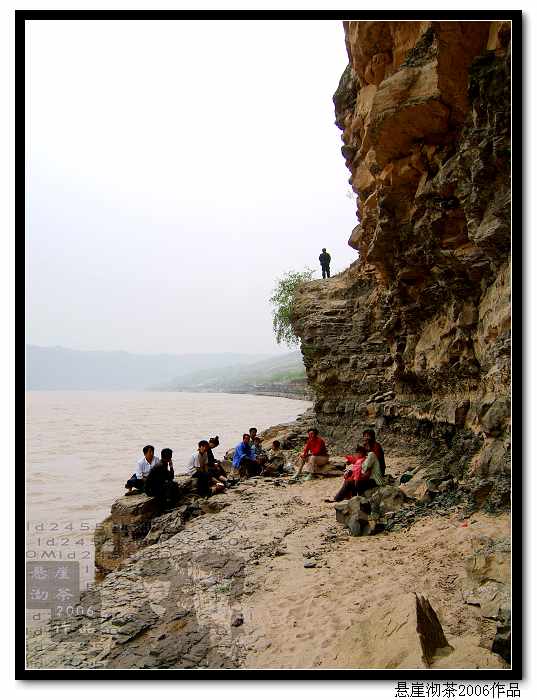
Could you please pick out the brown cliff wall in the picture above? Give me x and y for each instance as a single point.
(414, 338)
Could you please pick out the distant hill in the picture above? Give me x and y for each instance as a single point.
(276, 376)
(52, 368)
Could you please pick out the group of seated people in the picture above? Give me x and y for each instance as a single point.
(155, 477)
(250, 459)
(365, 471)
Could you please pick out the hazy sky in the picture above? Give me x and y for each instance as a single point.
(175, 170)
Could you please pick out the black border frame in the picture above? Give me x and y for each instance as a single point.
(484, 675)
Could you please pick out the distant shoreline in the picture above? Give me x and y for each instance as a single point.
(280, 395)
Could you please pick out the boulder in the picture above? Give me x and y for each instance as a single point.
(429, 629)
(502, 641)
(387, 499)
(425, 483)
(366, 515)
(134, 522)
(495, 417)
(337, 462)
(134, 509)
(334, 468)
(488, 577)
(165, 526)
(356, 515)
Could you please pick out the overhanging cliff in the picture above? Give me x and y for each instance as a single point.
(414, 337)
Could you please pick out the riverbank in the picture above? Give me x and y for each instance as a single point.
(266, 578)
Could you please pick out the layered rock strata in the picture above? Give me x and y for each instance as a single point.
(414, 338)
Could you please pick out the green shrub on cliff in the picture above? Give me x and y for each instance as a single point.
(282, 300)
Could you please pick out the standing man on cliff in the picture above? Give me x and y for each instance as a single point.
(324, 259)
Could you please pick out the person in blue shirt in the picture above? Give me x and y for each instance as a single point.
(244, 460)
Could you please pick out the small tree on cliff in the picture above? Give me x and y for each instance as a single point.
(282, 300)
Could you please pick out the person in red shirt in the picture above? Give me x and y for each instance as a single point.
(314, 455)
(371, 444)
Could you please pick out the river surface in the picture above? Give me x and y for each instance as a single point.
(83, 445)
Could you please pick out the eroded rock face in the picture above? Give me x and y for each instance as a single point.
(414, 338)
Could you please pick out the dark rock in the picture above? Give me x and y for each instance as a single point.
(502, 641)
(461, 412)
(134, 522)
(154, 567)
(495, 417)
(429, 629)
(355, 514)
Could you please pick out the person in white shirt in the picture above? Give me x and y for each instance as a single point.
(143, 467)
(198, 468)
(199, 460)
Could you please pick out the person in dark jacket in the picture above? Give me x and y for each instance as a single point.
(160, 483)
(324, 259)
(215, 468)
